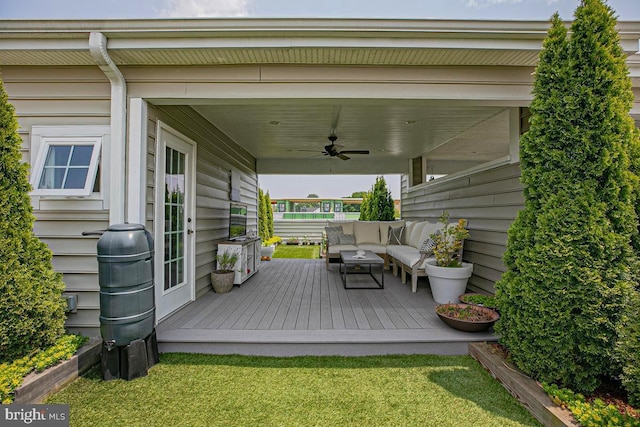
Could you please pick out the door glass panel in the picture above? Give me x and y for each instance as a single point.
(174, 235)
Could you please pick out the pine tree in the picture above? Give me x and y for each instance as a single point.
(31, 305)
(377, 204)
(568, 253)
(382, 201)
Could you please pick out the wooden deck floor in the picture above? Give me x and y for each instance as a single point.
(297, 307)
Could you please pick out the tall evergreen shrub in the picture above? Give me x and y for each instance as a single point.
(378, 203)
(568, 255)
(364, 207)
(269, 209)
(263, 221)
(31, 305)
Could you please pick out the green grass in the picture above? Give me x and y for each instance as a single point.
(206, 390)
(294, 251)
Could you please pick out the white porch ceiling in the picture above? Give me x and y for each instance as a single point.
(295, 133)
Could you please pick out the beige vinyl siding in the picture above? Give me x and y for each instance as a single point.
(489, 200)
(216, 156)
(53, 96)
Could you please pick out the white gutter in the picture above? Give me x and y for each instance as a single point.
(98, 49)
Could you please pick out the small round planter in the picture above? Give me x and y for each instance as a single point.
(222, 282)
(448, 283)
(467, 318)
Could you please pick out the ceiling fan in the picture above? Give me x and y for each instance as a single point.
(335, 150)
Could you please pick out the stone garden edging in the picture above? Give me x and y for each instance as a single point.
(528, 391)
(36, 387)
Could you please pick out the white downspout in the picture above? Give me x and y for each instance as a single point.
(98, 49)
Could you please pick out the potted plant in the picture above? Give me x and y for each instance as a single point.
(448, 275)
(466, 317)
(268, 247)
(222, 278)
(488, 301)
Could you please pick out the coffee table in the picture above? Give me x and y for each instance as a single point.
(350, 259)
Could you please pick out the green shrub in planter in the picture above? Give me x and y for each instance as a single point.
(629, 350)
(593, 413)
(31, 305)
(568, 255)
(12, 374)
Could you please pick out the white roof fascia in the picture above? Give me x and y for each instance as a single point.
(294, 33)
(300, 42)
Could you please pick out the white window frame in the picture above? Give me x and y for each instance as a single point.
(97, 201)
(39, 166)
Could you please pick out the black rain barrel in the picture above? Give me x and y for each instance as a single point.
(125, 274)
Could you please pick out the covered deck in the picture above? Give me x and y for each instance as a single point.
(299, 307)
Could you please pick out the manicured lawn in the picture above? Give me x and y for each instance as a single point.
(205, 390)
(294, 251)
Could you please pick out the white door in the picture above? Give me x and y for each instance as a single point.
(175, 223)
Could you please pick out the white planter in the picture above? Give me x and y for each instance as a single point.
(448, 283)
(267, 250)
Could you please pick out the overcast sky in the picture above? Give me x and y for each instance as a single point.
(441, 9)
(301, 186)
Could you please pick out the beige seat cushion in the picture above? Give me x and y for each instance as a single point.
(407, 255)
(337, 248)
(367, 232)
(428, 229)
(407, 230)
(376, 249)
(413, 237)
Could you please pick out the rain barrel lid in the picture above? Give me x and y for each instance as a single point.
(125, 227)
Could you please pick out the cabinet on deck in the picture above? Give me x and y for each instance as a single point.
(248, 262)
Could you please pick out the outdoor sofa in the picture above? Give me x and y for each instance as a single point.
(402, 245)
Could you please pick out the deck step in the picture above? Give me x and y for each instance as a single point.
(318, 342)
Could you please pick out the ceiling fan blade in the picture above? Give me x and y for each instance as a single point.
(342, 156)
(335, 119)
(355, 152)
